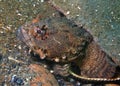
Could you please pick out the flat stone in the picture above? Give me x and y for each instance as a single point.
(43, 76)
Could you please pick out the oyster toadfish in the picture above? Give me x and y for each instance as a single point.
(57, 38)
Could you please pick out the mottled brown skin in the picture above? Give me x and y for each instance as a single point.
(96, 63)
(65, 38)
(65, 41)
(61, 44)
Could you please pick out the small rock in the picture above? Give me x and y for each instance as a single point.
(72, 80)
(19, 47)
(78, 7)
(68, 12)
(57, 60)
(51, 71)
(42, 0)
(17, 80)
(78, 83)
(42, 76)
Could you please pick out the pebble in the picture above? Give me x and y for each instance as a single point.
(1, 32)
(5, 84)
(13, 78)
(15, 45)
(64, 57)
(119, 54)
(42, 0)
(19, 14)
(17, 80)
(68, 12)
(45, 66)
(78, 7)
(19, 47)
(57, 60)
(78, 84)
(10, 50)
(72, 80)
(51, 71)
